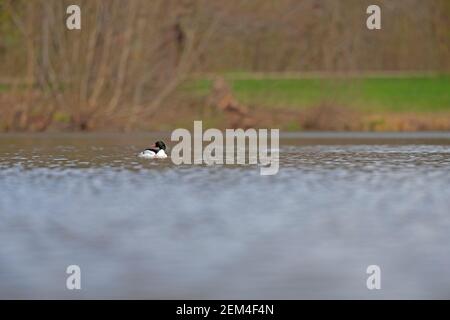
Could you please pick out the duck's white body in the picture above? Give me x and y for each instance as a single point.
(149, 154)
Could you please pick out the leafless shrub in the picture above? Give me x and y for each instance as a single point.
(127, 59)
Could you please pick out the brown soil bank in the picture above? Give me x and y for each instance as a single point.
(333, 118)
(336, 118)
(220, 110)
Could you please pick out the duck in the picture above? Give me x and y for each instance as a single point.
(157, 150)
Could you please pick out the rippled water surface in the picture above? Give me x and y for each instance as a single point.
(150, 229)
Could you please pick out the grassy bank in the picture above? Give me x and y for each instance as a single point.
(373, 103)
(289, 102)
(370, 94)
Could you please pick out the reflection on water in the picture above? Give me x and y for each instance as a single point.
(149, 229)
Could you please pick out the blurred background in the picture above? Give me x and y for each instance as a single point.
(158, 65)
(151, 229)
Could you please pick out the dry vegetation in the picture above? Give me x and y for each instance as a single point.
(122, 70)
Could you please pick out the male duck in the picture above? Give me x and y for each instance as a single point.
(155, 151)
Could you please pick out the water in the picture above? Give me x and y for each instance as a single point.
(150, 229)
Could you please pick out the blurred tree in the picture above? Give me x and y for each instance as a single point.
(130, 56)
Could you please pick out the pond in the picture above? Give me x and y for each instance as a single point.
(150, 229)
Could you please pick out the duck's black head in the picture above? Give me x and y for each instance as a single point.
(160, 145)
